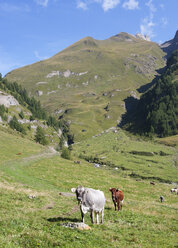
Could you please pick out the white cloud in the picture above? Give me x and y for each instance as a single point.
(147, 25)
(105, 4)
(43, 3)
(82, 5)
(151, 6)
(131, 4)
(36, 53)
(110, 4)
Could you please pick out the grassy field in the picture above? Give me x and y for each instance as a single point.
(143, 222)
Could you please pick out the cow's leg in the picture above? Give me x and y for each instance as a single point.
(92, 216)
(102, 215)
(82, 214)
(118, 204)
(121, 202)
(97, 218)
(115, 205)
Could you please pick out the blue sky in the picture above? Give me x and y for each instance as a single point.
(33, 30)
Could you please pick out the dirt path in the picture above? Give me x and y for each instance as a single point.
(51, 152)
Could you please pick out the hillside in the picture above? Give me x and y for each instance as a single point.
(157, 109)
(33, 212)
(87, 82)
(23, 116)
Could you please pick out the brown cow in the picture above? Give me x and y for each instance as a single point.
(117, 197)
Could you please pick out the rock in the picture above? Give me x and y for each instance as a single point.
(59, 111)
(85, 83)
(23, 121)
(8, 100)
(51, 92)
(67, 73)
(53, 73)
(74, 225)
(39, 83)
(39, 92)
(82, 73)
(31, 196)
(66, 144)
(143, 37)
(97, 165)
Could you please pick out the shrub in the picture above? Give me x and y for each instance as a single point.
(66, 153)
(40, 136)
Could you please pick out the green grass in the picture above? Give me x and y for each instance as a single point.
(143, 222)
(129, 154)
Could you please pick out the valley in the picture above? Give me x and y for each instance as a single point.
(62, 125)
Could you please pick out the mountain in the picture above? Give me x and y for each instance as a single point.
(169, 46)
(87, 82)
(157, 109)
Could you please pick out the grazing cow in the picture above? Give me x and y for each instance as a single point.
(117, 197)
(174, 190)
(153, 183)
(162, 198)
(90, 200)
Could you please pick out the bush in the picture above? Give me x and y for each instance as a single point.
(14, 124)
(40, 136)
(66, 153)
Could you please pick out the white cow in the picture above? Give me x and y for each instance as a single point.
(174, 190)
(90, 200)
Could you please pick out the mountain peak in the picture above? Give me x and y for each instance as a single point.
(170, 45)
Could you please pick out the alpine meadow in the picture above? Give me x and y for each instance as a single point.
(99, 115)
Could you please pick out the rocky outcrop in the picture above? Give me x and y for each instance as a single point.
(76, 225)
(7, 100)
(39, 92)
(65, 74)
(142, 37)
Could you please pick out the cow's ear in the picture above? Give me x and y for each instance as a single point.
(73, 190)
(117, 189)
(110, 189)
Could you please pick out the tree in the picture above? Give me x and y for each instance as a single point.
(40, 136)
(21, 114)
(65, 153)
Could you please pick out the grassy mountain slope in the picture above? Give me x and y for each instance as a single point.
(17, 119)
(82, 80)
(36, 222)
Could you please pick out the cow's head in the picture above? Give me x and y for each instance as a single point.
(79, 193)
(113, 192)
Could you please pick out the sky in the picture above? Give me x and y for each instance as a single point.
(33, 30)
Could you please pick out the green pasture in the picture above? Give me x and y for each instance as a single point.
(143, 222)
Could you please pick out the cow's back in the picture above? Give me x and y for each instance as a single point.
(120, 195)
(94, 199)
